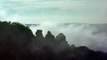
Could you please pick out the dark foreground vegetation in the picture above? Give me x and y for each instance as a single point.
(17, 42)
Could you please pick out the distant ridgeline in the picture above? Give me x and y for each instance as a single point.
(17, 42)
(31, 25)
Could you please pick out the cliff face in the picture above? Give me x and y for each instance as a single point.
(58, 43)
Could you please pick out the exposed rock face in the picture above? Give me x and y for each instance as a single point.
(50, 36)
(56, 44)
(39, 33)
(61, 37)
(39, 39)
(62, 44)
(50, 40)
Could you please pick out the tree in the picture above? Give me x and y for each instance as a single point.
(15, 39)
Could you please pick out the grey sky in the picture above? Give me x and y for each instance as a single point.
(61, 11)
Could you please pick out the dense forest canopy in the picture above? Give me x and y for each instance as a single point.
(17, 42)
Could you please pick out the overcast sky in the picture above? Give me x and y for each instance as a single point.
(61, 11)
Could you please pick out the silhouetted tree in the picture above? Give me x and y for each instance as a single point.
(14, 40)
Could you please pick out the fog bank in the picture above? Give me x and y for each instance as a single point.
(93, 36)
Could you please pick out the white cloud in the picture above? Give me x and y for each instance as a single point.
(5, 17)
(78, 34)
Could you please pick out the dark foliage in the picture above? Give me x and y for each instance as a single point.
(17, 42)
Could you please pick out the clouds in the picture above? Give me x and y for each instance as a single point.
(78, 34)
(37, 11)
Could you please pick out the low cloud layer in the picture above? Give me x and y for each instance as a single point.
(90, 35)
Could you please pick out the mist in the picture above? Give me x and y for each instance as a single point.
(90, 35)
